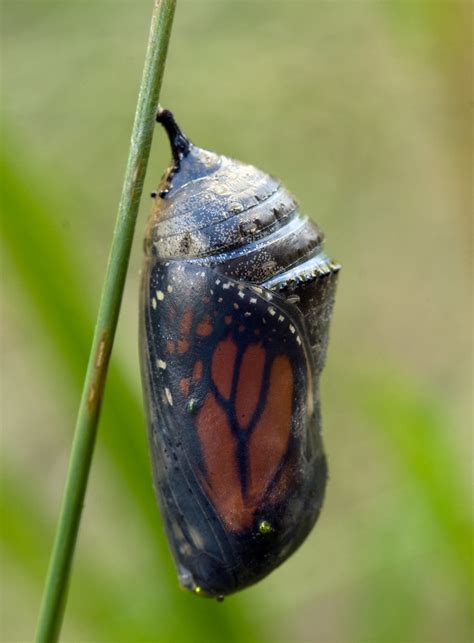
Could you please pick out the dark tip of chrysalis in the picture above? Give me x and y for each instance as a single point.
(178, 141)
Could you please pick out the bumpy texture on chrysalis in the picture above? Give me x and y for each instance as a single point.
(236, 300)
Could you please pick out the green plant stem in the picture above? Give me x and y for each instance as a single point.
(55, 591)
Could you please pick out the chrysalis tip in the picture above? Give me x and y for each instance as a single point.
(178, 141)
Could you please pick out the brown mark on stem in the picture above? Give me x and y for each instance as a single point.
(136, 172)
(97, 386)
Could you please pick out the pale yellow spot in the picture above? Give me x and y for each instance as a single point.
(169, 396)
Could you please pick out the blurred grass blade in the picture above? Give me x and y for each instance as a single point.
(418, 433)
(48, 267)
(54, 598)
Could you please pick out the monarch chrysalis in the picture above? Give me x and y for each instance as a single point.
(236, 300)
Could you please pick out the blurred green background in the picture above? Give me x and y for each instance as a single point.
(362, 109)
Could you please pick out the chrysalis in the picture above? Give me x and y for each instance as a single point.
(236, 299)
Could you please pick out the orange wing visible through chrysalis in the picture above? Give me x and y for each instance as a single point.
(249, 384)
(269, 439)
(220, 458)
(223, 366)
